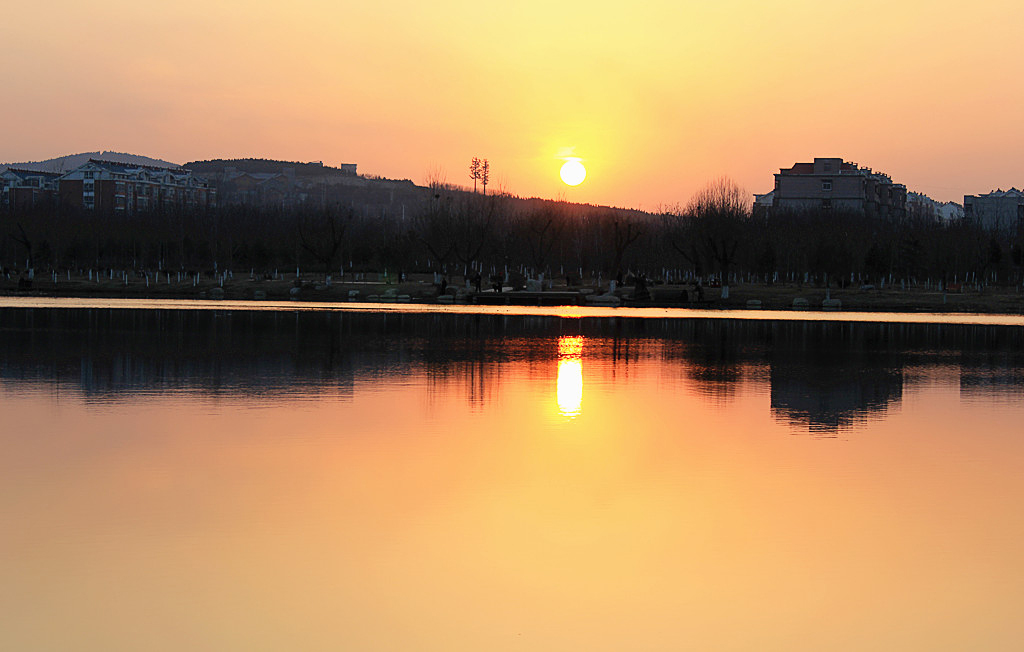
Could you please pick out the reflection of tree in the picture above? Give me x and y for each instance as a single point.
(478, 379)
(716, 355)
(716, 380)
(823, 376)
(110, 354)
(991, 372)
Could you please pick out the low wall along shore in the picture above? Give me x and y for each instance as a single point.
(421, 288)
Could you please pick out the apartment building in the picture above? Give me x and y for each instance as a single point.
(832, 184)
(922, 206)
(999, 210)
(26, 189)
(123, 187)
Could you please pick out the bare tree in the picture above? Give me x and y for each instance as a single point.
(679, 229)
(434, 227)
(485, 174)
(26, 242)
(539, 231)
(321, 235)
(624, 233)
(720, 212)
(474, 171)
(473, 221)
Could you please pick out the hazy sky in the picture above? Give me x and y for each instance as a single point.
(656, 98)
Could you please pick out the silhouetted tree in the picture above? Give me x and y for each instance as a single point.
(539, 231)
(321, 234)
(474, 171)
(624, 232)
(720, 212)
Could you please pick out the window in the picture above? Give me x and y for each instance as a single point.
(828, 167)
(826, 185)
(826, 204)
(88, 175)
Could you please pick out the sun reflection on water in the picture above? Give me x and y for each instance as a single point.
(569, 390)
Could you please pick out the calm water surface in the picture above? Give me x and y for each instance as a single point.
(324, 480)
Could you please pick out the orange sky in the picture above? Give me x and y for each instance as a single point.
(656, 99)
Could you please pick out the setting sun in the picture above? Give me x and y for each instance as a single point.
(573, 173)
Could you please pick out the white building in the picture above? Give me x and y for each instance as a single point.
(920, 205)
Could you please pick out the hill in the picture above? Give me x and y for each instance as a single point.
(268, 166)
(72, 161)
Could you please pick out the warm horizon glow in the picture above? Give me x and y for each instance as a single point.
(662, 98)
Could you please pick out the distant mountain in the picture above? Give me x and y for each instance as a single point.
(72, 161)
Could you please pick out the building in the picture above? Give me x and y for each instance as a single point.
(279, 184)
(763, 204)
(26, 189)
(294, 185)
(278, 189)
(831, 184)
(999, 210)
(949, 211)
(123, 187)
(924, 207)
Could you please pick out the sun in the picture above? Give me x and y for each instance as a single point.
(573, 173)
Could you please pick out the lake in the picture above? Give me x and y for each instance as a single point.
(284, 477)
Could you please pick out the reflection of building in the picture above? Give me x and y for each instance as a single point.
(827, 397)
(999, 210)
(993, 374)
(831, 184)
(130, 188)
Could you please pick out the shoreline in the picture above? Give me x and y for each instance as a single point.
(420, 290)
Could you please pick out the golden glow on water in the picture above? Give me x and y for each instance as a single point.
(416, 515)
(570, 347)
(350, 524)
(565, 312)
(569, 386)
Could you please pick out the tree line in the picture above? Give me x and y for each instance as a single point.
(714, 237)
